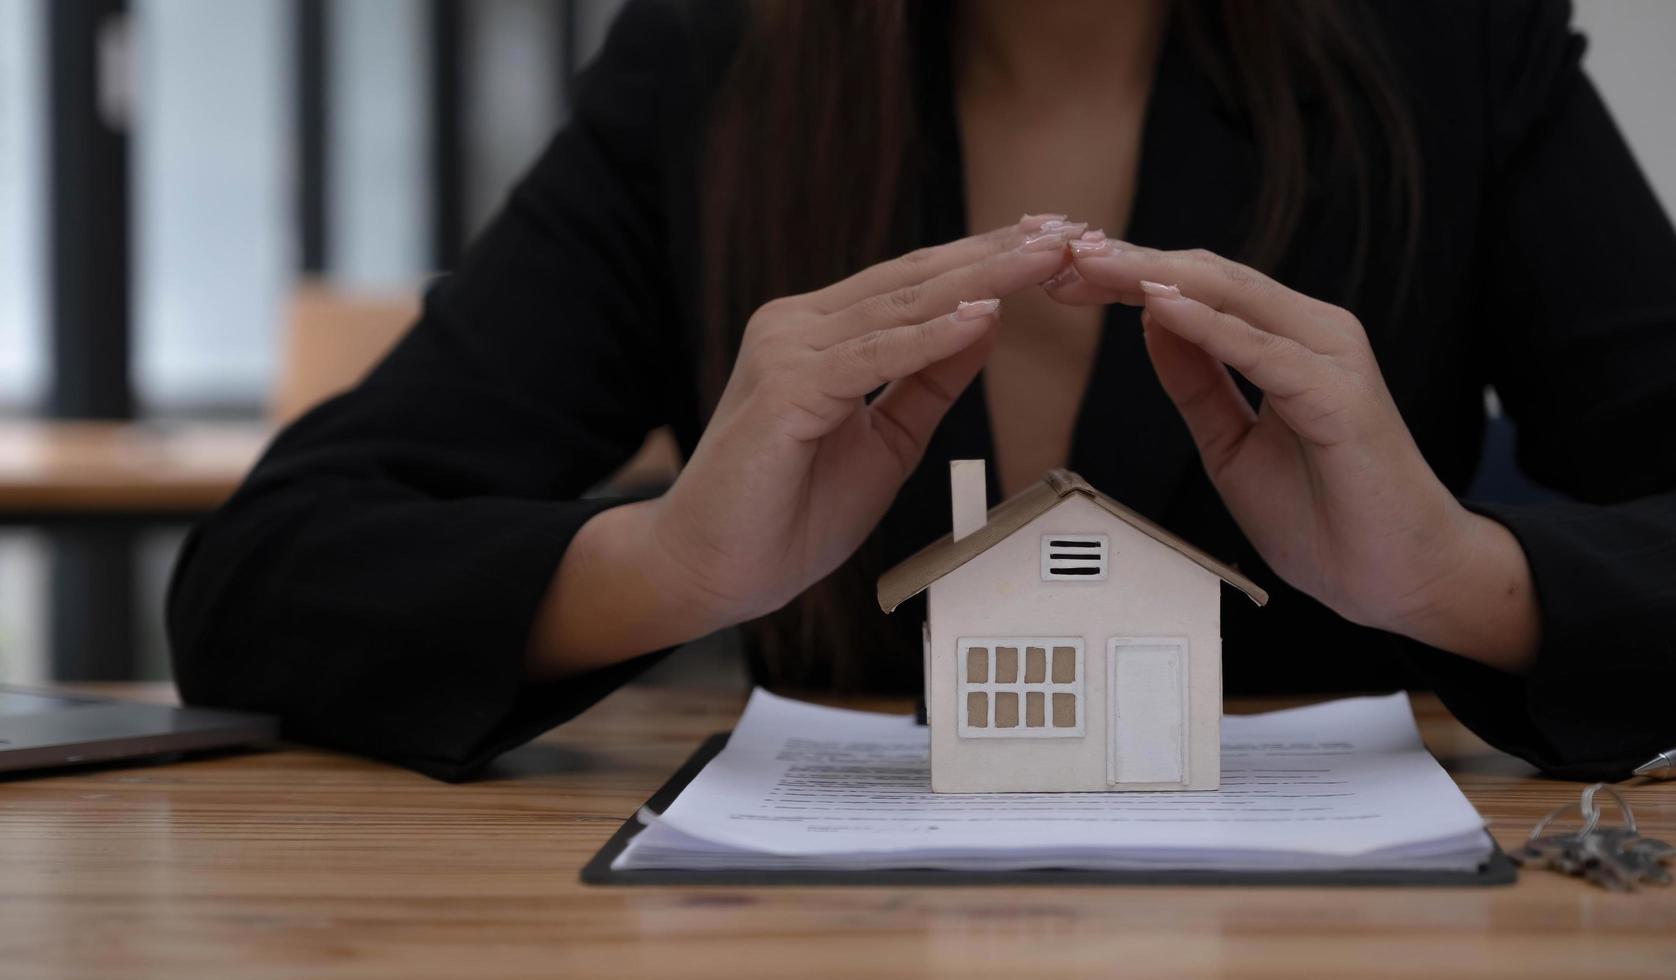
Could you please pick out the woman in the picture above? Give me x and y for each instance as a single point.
(1371, 212)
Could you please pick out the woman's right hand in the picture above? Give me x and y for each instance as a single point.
(796, 465)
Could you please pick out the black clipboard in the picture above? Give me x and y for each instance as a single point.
(1498, 870)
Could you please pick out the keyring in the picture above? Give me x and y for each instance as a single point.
(1588, 805)
(1590, 813)
(1589, 820)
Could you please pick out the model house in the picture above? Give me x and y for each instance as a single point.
(1071, 645)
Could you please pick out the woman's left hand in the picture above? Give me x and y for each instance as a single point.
(1324, 477)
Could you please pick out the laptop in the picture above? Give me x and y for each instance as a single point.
(39, 730)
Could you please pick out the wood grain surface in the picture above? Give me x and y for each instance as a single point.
(97, 467)
(287, 862)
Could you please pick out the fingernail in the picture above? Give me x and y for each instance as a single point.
(1094, 235)
(1083, 248)
(1160, 290)
(1063, 277)
(976, 308)
(1047, 241)
(1034, 222)
(1070, 229)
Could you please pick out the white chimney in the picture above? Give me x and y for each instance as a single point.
(966, 490)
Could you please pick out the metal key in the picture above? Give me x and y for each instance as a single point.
(1639, 858)
(1562, 852)
(1605, 866)
(1614, 857)
(1629, 857)
(1549, 851)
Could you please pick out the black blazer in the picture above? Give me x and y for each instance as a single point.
(374, 580)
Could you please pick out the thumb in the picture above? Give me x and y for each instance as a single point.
(1203, 391)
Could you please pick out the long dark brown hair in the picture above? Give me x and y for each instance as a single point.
(814, 128)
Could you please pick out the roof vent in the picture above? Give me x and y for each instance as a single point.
(1074, 557)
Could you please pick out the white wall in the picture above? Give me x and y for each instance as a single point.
(593, 21)
(1632, 58)
(514, 101)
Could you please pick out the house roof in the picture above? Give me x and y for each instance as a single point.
(944, 555)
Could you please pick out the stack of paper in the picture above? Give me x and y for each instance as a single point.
(1344, 785)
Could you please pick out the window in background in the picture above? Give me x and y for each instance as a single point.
(22, 597)
(377, 174)
(22, 190)
(213, 226)
(22, 311)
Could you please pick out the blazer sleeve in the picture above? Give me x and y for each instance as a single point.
(374, 580)
(1581, 343)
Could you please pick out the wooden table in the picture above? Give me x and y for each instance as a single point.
(93, 486)
(295, 862)
(65, 470)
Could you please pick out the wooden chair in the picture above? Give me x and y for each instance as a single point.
(332, 338)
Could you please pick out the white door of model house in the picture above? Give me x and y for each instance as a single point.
(1146, 713)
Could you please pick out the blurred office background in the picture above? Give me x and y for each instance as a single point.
(191, 189)
(226, 173)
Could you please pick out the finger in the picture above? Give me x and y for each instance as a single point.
(1000, 274)
(1205, 394)
(910, 409)
(861, 364)
(1069, 286)
(1280, 366)
(1219, 283)
(925, 263)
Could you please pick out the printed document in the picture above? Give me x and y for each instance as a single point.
(1345, 784)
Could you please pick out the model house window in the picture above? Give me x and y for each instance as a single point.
(1074, 557)
(1021, 687)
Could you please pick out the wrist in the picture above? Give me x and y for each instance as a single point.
(1481, 602)
(616, 595)
(675, 569)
